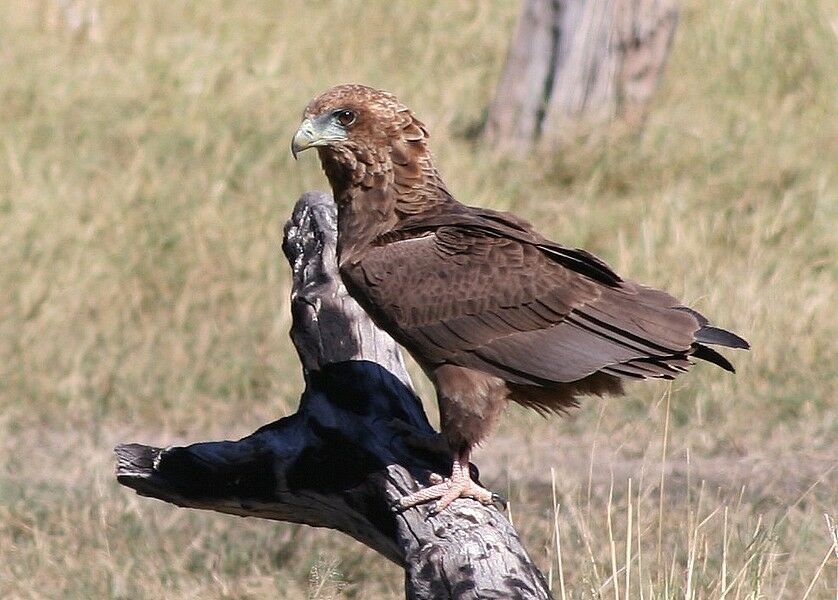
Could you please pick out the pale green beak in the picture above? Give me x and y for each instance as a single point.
(306, 137)
(319, 131)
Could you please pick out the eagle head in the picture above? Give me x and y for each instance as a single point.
(361, 132)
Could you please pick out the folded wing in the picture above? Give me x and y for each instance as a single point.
(524, 309)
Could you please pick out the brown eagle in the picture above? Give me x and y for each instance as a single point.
(490, 309)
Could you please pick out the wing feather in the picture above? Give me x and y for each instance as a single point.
(480, 294)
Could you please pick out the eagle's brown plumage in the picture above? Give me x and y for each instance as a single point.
(489, 308)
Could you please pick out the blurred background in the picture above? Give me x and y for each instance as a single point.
(145, 177)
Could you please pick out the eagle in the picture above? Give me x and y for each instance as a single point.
(490, 309)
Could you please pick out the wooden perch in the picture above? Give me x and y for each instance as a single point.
(343, 459)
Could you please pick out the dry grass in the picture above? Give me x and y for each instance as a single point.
(144, 180)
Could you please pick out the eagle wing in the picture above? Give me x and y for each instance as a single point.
(485, 292)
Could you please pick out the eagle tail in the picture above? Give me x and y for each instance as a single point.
(707, 353)
(708, 334)
(557, 397)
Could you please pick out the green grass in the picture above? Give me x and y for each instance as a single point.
(145, 178)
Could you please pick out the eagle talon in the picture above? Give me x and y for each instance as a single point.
(445, 490)
(395, 506)
(499, 502)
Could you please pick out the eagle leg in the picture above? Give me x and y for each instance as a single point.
(445, 491)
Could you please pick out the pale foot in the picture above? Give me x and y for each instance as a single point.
(445, 491)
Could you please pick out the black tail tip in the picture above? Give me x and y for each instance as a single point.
(708, 334)
(710, 355)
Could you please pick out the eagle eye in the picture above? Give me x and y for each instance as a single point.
(345, 117)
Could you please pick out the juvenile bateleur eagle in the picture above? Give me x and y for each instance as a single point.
(490, 309)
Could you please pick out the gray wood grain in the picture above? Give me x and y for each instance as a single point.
(342, 460)
(576, 64)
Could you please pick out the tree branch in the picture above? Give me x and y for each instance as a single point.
(342, 460)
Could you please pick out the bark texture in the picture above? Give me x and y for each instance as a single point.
(575, 64)
(343, 459)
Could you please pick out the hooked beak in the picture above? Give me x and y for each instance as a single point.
(306, 137)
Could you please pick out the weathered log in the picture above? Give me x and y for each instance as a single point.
(343, 459)
(575, 64)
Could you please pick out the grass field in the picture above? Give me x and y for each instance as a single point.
(145, 178)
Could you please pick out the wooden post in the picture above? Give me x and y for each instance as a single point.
(343, 459)
(575, 64)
